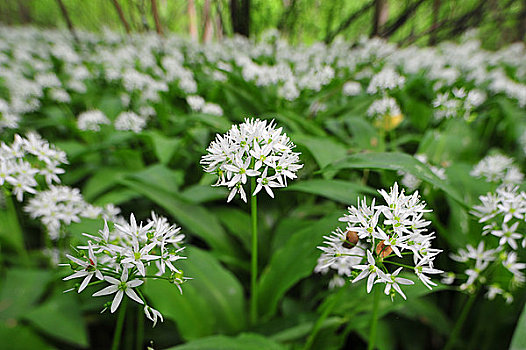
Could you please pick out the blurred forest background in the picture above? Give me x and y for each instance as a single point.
(301, 21)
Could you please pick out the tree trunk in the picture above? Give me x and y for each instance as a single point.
(192, 16)
(155, 11)
(240, 15)
(521, 25)
(208, 29)
(121, 16)
(68, 20)
(436, 16)
(381, 14)
(25, 12)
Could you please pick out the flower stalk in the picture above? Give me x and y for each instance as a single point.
(118, 328)
(254, 261)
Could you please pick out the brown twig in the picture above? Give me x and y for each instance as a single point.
(68, 20)
(121, 15)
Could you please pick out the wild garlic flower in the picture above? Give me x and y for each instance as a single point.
(494, 263)
(386, 79)
(381, 238)
(125, 256)
(460, 104)
(253, 149)
(24, 162)
(498, 168)
(91, 120)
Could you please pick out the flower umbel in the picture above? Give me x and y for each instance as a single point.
(255, 148)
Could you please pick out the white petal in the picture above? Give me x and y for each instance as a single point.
(116, 301)
(85, 282)
(108, 290)
(131, 293)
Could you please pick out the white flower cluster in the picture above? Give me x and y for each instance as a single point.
(24, 159)
(352, 88)
(198, 104)
(461, 104)
(386, 106)
(62, 205)
(125, 256)
(382, 238)
(386, 79)
(257, 149)
(498, 168)
(92, 120)
(499, 269)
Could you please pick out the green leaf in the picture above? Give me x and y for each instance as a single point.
(237, 222)
(324, 150)
(193, 218)
(61, 317)
(339, 190)
(518, 342)
(164, 147)
(21, 289)
(10, 230)
(161, 177)
(245, 341)
(203, 193)
(213, 302)
(101, 181)
(396, 161)
(294, 261)
(20, 337)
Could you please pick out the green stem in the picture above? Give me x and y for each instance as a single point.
(374, 318)
(140, 331)
(120, 322)
(317, 326)
(460, 321)
(398, 264)
(254, 264)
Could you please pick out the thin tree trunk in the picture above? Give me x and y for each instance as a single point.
(344, 25)
(521, 25)
(192, 16)
(436, 16)
(68, 20)
(121, 15)
(240, 15)
(208, 29)
(381, 14)
(392, 27)
(155, 11)
(220, 27)
(25, 12)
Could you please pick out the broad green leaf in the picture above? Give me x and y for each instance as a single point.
(396, 161)
(164, 147)
(245, 341)
(518, 342)
(295, 260)
(21, 289)
(204, 193)
(101, 181)
(212, 302)
(161, 177)
(193, 218)
(324, 150)
(60, 317)
(237, 222)
(10, 230)
(116, 196)
(20, 337)
(339, 190)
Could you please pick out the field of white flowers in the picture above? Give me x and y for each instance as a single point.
(240, 195)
